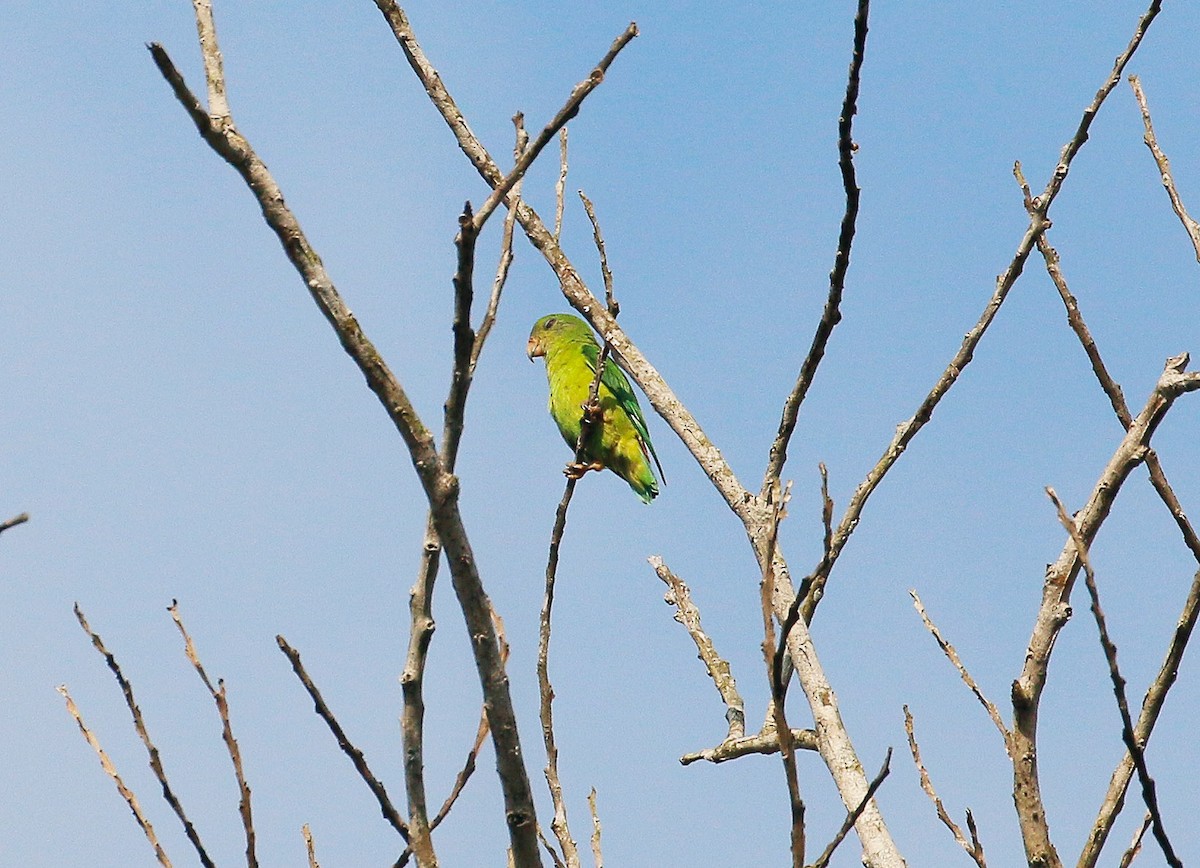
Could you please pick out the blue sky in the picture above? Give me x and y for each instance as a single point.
(181, 423)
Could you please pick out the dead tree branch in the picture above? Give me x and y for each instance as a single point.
(356, 756)
(111, 771)
(235, 754)
(1149, 791)
(973, 848)
(440, 485)
(139, 724)
(1164, 168)
(1055, 609)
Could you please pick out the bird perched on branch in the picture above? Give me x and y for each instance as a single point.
(619, 439)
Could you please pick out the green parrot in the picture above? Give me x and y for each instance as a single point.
(621, 442)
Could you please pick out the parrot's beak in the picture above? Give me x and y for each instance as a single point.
(533, 349)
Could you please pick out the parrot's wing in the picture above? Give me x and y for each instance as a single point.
(615, 381)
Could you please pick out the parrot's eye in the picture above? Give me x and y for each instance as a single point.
(550, 323)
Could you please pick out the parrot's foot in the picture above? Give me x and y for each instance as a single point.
(593, 414)
(576, 470)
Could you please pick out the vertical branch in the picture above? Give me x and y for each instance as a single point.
(832, 314)
(597, 856)
(111, 771)
(773, 660)
(560, 186)
(235, 754)
(309, 848)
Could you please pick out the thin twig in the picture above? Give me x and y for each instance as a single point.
(605, 272)
(973, 847)
(309, 847)
(1164, 168)
(560, 186)
(956, 662)
(1149, 791)
(235, 754)
(558, 122)
(139, 724)
(852, 817)
(687, 614)
(831, 315)
(1135, 846)
(773, 660)
(356, 756)
(111, 771)
(1038, 222)
(597, 855)
(14, 521)
(554, 857)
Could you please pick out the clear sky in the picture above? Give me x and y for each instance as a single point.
(181, 423)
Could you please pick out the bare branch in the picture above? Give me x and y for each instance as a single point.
(560, 186)
(765, 742)
(1149, 791)
(111, 771)
(1055, 609)
(559, 121)
(309, 848)
(356, 756)
(1038, 223)
(832, 314)
(852, 817)
(597, 856)
(1164, 168)
(14, 521)
(956, 662)
(775, 677)
(1135, 846)
(717, 667)
(235, 754)
(973, 847)
(440, 485)
(613, 307)
(139, 724)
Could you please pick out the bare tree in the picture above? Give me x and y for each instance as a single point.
(789, 606)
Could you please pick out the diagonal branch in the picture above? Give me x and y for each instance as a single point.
(440, 486)
(956, 662)
(974, 848)
(1055, 609)
(356, 756)
(1038, 223)
(14, 521)
(851, 818)
(235, 753)
(111, 771)
(1149, 791)
(139, 724)
(717, 667)
(1164, 168)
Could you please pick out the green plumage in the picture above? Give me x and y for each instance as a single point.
(621, 442)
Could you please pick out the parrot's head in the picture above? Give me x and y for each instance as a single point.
(554, 327)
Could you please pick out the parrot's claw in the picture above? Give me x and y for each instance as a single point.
(593, 414)
(576, 469)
